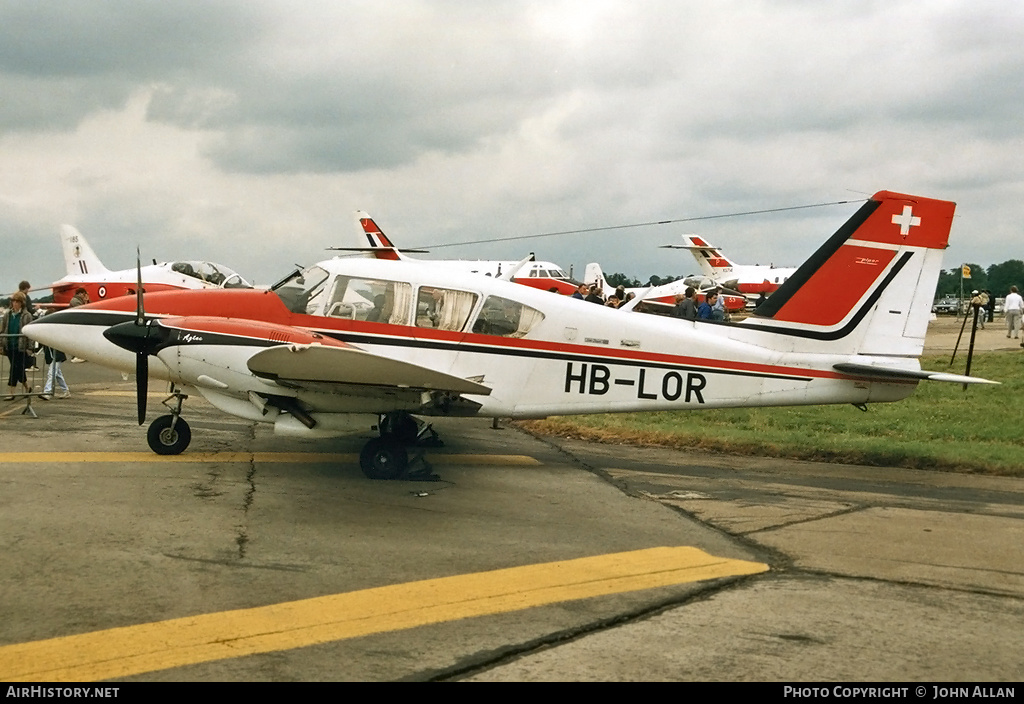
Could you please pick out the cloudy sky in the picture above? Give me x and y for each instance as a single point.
(248, 132)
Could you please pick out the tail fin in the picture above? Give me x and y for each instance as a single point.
(379, 244)
(593, 274)
(710, 259)
(868, 289)
(78, 255)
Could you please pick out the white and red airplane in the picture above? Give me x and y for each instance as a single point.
(665, 294)
(750, 279)
(541, 275)
(847, 327)
(85, 270)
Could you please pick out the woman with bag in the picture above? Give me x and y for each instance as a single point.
(15, 344)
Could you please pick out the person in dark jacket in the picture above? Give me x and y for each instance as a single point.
(14, 342)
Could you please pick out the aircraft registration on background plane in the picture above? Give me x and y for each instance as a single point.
(748, 279)
(847, 327)
(85, 270)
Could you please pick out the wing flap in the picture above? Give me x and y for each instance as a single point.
(894, 374)
(349, 365)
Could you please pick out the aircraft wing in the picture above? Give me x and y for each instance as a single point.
(317, 364)
(892, 374)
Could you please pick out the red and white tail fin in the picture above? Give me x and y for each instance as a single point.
(710, 259)
(78, 255)
(379, 244)
(868, 289)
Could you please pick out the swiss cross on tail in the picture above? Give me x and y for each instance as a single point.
(906, 220)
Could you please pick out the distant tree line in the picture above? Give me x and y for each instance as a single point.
(618, 279)
(997, 279)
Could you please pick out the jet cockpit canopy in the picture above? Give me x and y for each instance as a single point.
(214, 274)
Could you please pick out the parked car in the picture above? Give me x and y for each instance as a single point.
(947, 306)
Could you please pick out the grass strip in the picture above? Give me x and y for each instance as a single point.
(941, 427)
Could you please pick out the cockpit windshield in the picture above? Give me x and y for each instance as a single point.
(213, 274)
(303, 291)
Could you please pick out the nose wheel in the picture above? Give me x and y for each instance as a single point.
(169, 435)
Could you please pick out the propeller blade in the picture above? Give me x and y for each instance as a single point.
(141, 383)
(140, 313)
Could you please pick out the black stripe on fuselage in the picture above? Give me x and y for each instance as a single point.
(107, 319)
(95, 318)
(177, 336)
(361, 338)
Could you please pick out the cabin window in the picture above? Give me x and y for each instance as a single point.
(507, 318)
(443, 308)
(372, 300)
(303, 291)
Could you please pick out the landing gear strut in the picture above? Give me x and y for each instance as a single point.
(403, 427)
(170, 434)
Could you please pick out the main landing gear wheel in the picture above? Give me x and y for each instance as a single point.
(167, 440)
(383, 458)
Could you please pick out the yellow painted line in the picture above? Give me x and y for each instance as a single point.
(267, 457)
(132, 650)
(132, 394)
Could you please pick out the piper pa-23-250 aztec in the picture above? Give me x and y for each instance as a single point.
(343, 346)
(85, 270)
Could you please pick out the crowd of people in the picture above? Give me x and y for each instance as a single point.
(21, 352)
(595, 294)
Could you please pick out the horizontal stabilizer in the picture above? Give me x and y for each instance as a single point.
(891, 374)
(348, 365)
(375, 250)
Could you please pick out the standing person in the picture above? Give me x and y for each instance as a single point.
(1014, 310)
(979, 301)
(80, 299)
(707, 308)
(25, 287)
(54, 375)
(990, 307)
(718, 312)
(15, 343)
(686, 307)
(581, 292)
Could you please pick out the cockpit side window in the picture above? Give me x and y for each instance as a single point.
(443, 308)
(507, 318)
(303, 291)
(372, 300)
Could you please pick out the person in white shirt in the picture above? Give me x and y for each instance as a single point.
(1014, 308)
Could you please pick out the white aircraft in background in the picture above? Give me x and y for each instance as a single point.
(540, 275)
(665, 294)
(85, 270)
(847, 327)
(748, 279)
